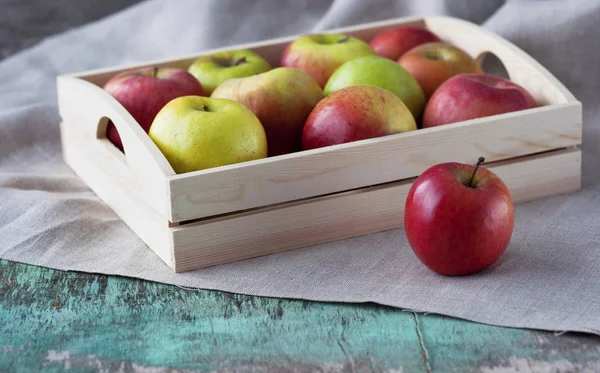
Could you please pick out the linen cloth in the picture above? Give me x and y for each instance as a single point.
(549, 277)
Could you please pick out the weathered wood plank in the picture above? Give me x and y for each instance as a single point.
(57, 321)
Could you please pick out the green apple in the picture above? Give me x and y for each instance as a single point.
(214, 69)
(196, 133)
(281, 98)
(319, 55)
(383, 73)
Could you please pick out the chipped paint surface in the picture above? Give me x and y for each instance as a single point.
(114, 324)
(527, 365)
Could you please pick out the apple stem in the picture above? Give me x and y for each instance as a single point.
(343, 39)
(479, 162)
(240, 61)
(154, 72)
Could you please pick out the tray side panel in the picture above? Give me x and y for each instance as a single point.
(113, 183)
(369, 162)
(87, 109)
(350, 214)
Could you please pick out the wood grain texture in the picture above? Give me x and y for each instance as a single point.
(55, 321)
(385, 159)
(86, 109)
(112, 181)
(350, 214)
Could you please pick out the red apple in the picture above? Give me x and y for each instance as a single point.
(433, 63)
(394, 42)
(356, 113)
(458, 218)
(144, 91)
(470, 96)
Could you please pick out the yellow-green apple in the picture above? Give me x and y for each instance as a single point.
(393, 42)
(471, 96)
(433, 63)
(212, 70)
(356, 113)
(319, 55)
(383, 73)
(196, 133)
(281, 98)
(458, 218)
(144, 91)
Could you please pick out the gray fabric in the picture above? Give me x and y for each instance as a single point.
(547, 279)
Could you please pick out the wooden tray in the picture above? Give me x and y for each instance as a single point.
(291, 201)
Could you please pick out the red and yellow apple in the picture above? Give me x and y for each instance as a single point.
(356, 113)
(458, 218)
(471, 96)
(392, 43)
(319, 55)
(281, 98)
(433, 63)
(144, 91)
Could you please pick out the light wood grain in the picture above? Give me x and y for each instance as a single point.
(375, 161)
(86, 108)
(349, 214)
(113, 182)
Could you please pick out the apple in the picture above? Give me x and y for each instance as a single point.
(392, 43)
(356, 113)
(458, 218)
(433, 63)
(212, 70)
(281, 99)
(471, 96)
(319, 55)
(144, 91)
(196, 133)
(383, 73)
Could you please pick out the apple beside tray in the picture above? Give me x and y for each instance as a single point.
(219, 215)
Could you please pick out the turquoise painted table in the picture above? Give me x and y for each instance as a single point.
(53, 321)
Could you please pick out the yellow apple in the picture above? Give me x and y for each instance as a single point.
(197, 133)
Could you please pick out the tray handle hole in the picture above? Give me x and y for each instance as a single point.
(104, 124)
(101, 134)
(102, 128)
(491, 64)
